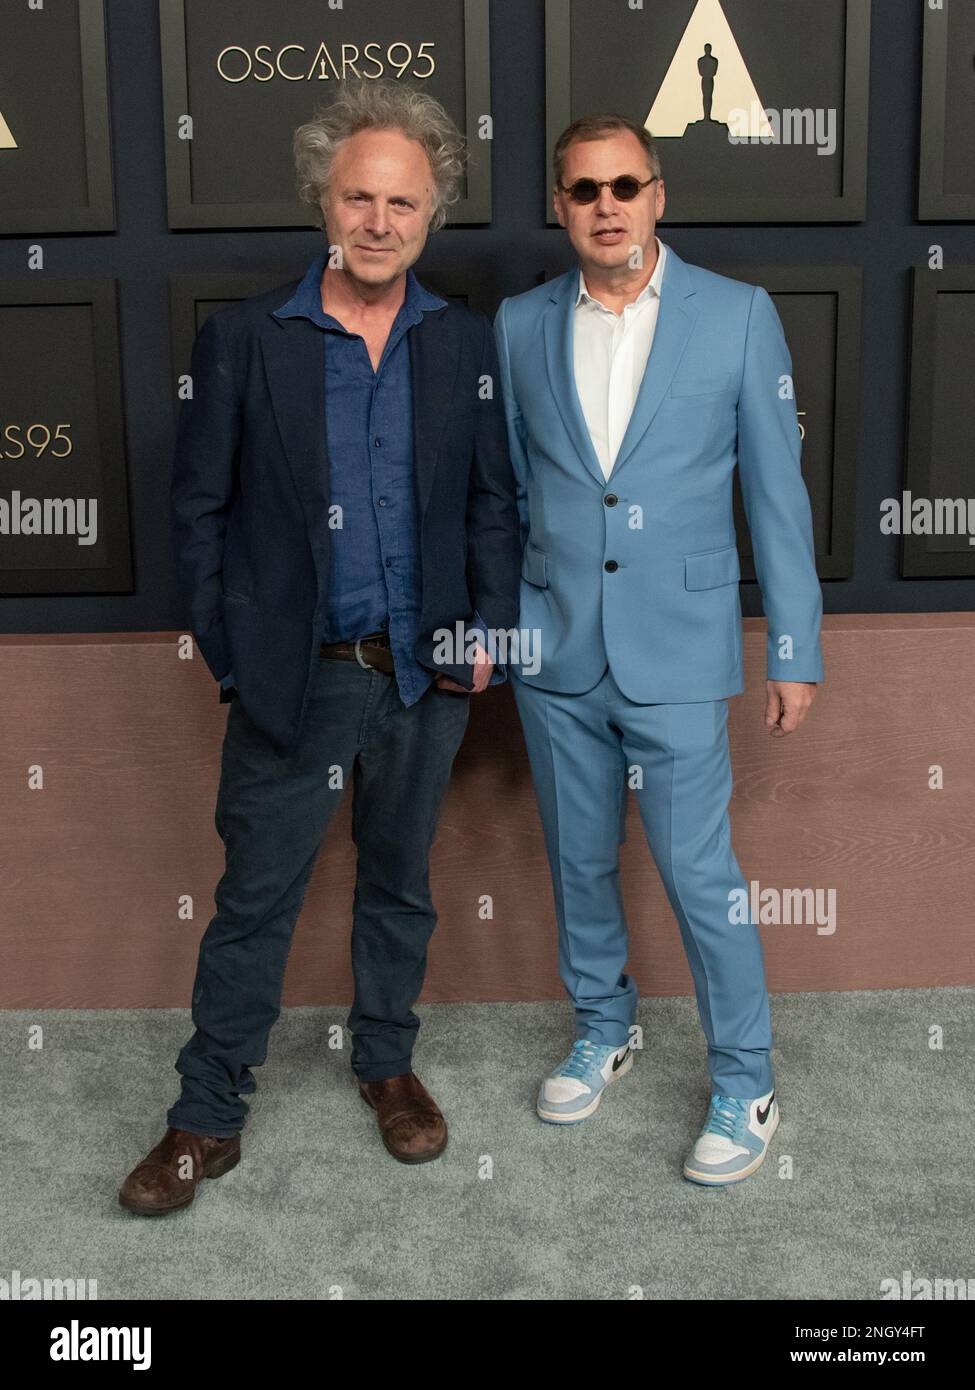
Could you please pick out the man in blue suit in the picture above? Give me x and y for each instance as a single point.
(633, 386)
(342, 493)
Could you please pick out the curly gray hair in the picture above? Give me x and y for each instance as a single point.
(381, 105)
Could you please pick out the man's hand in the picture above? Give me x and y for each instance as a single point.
(483, 667)
(786, 705)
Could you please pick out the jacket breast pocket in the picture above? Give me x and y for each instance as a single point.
(702, 384)
(706, 569)
(534, 566)
(231, 596)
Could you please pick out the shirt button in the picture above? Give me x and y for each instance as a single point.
(377, 442)
(611, 567)
(611, 499)
(388, 564)
(382, 501)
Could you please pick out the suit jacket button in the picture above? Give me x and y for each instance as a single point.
(611, 499)
(611, 567)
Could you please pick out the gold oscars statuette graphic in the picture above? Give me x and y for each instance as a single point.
(708, 82)
(7, 141)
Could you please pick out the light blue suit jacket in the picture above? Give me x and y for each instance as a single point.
(716, 392)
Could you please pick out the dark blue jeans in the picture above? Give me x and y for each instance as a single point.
(271, 814)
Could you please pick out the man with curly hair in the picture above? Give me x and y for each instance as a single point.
(342, 495)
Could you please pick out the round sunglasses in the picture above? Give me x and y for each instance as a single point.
(625, 188)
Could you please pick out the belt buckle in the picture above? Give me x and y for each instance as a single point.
(358, 655)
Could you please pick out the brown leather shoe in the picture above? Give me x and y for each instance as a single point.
(410, 1122)
(157, 1185)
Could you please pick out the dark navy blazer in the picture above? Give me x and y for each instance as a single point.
(250, 497)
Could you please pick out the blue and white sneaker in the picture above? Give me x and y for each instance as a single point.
(734, 1140)
(574, 1089)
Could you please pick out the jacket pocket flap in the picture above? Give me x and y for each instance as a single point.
(533, 566)
(709, 568)
(698, 385)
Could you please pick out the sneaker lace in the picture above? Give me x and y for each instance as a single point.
(580, 1059)
(726, 1116)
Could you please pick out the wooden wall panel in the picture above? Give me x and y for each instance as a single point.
(128, 736)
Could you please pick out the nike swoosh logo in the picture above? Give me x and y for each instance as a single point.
(618, 1061)
(763, 1114)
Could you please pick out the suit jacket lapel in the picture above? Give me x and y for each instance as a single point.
(434, 363)
(560, 363)
(294, 362)
(675, 321)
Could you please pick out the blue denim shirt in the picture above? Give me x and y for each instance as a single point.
(375, 580)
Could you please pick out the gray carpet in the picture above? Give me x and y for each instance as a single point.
(878, 1126)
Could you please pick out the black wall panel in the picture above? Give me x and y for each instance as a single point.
(126, 234)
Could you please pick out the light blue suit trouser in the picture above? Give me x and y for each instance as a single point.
(585, 751)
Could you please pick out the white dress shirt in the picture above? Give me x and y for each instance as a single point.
(610, 353)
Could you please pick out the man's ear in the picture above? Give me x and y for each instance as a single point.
(556, 203)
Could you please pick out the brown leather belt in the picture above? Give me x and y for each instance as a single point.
(373, 651)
